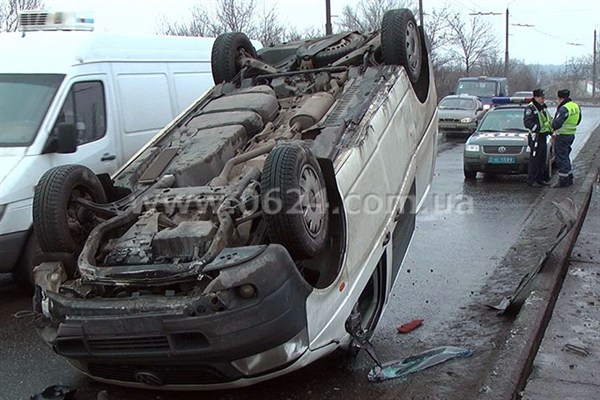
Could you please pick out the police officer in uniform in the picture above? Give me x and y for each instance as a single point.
(568, 116)
(537, 119)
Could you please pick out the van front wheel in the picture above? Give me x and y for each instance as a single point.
(60, 223)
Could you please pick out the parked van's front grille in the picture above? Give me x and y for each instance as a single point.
(33, 19)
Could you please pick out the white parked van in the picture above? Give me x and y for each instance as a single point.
(111, 93)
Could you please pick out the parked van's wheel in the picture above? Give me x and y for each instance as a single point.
(294, 200)
(30, 257)
(225, 56)
(59, 222)
(401, 42)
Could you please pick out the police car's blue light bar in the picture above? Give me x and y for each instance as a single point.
(511, 100)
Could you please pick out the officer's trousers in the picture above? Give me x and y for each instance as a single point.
(536, 170)
(563, 162)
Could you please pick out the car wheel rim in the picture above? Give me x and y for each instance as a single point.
(413, 50)
(312, 200)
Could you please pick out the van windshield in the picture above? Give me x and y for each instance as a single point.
(24, 101)
(477, 88)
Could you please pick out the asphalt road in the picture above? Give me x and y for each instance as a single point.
(463, 230)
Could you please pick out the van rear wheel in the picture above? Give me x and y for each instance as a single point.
(226, 53)
(401, 42)
(59, 222)
(294, 201)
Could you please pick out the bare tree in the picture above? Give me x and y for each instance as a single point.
(228, 16)
(9, 12)
(471, 42)
(268, 29)
(575, 76)
(366, 15)
(293, 34)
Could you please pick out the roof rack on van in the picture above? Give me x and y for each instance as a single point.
(39, 20)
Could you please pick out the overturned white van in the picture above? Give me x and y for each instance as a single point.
(111, 93)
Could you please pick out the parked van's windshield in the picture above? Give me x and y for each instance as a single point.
(24, 101)
(477, 88)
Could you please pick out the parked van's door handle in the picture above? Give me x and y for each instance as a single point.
(108, 157)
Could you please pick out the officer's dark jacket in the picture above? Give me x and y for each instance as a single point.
(561, 115)
(530, 117)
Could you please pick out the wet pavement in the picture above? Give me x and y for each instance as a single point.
(455, 262)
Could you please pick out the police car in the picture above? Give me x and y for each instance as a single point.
(500, 142)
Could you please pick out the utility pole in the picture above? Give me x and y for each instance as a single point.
(594, 67)
(506, 47)
(328, 28)
(421, 13)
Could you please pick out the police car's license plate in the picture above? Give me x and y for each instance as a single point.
(502, 160)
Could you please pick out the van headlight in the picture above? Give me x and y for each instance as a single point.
(472, 147)
(466, 120)
(275, 357)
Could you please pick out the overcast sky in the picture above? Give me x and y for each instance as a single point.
(556, 22)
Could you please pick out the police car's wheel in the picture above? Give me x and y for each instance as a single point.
(226, 52)
(59, 222)
(401, 42)
(469, 174)
(294, 200)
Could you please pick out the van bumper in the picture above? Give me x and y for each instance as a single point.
(11, 245)
(192, 340)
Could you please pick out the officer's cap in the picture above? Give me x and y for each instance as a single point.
(539, 93)
(564, 93)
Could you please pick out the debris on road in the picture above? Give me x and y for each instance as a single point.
(410, 326)
(418, 362)
(576, 349)
(55, 392)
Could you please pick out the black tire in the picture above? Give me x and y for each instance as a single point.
(59, 224)
(337, 50)
(469, 175)
(225, 55)
(300, 223)
(401, 42)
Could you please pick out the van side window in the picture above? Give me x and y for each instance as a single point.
(84, 108)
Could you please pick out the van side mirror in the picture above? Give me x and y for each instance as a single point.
(66, 138)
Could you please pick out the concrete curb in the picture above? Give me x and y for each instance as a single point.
(518, 352)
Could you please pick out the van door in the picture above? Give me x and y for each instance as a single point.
(85, 108)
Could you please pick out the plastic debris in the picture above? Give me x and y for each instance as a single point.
(419, 362)
(409, 326)
(56, 392)
(576, 349)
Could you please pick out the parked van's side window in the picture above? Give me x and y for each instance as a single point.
(85, 109)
